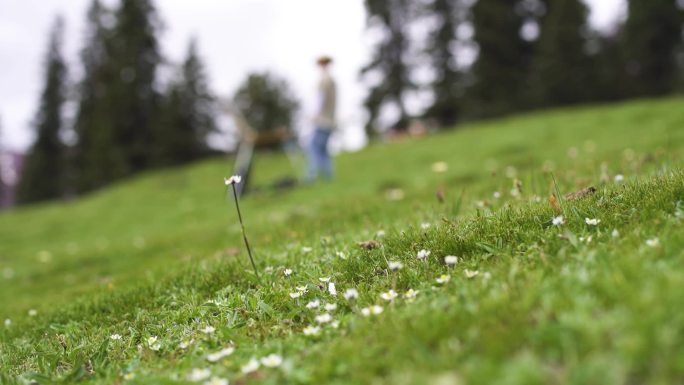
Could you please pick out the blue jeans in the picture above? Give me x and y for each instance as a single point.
(319, 158)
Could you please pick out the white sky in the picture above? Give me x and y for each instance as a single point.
(235, 37)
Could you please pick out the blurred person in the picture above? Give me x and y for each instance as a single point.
(324, 122)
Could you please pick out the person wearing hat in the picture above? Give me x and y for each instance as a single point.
(324, 122)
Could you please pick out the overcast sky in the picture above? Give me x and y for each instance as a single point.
(235, 37)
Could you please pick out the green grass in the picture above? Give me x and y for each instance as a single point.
(161, 255)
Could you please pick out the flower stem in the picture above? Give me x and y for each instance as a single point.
(244, 235)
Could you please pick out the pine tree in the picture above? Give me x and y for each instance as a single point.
(502, 67)
(97, 158)
(447, 87)
(267, 102)
(389, 60)
(188, 114)
(43, 169)
(561, 69)
(653, 34)
(131, 97)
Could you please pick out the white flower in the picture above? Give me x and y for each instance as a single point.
(653, 242)
(341, 254)
(199, 374)
(208, 329)
(411, 294)
(451, 260)
(592, 222)
(323, 318)
(153, 344)
(115, 337)
(295, 295)
(389, 296)
(272, 361)
(380, 233)
(496, 195)
(425, 226)
(619, 178)
(287, 272)
(311, 330)
(184, 344)
(335, 324)
(313, 304)
(422, 254)
(324, 279)
(8, 322)
(615, 233)
(302, 289)
(306, 249)
(152, 340)
(235, 179)
(251, 366)
(471, 273)
(214, 357)
(444, 278)
(331, 289)
(33, 313)
(395, 265)
(374, 310)
(217, 381)
(268, 269)
(557, 221)
(587, 239)
(330, 306)
(351, 293)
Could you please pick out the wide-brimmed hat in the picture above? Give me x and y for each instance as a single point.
(324, 60)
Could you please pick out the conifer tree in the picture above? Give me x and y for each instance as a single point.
(43, 170)
(188, 114)
(389, 63)
(561, 69)
(502, 67)
(653, 35)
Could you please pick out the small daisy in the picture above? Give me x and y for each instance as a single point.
(592, 222)
(208, 329)
(214, 357)
(615, 233)
(395, 265)
(411, 294)
(251, 366)
(8, 322)
(302, 289)
(306, 249)
(311, 330)
(389, 296)
(152, 340)
(557, 221)
(235, 179)
(424, 226)
(380, 233)
(268, 269)
(272, 361)
(199, 374)
(33, 313)
(653, 242)
(323, 318)
(287, 272)
(587, 239)
(350, 294)
(422, 254)
(335, 324)
(331, 289)
(185, 344)
(217, 381)
(115, 337)
(619, 178)
(313, 304)
(451, 260)
(471, 273)
(444, 278)
(496, 194)
(296, 294)
(376, 309)
(330, 306)
(324, 279)
(372, 310)
(341, 255)
(153, 344)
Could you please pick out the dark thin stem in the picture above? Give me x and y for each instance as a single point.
(244, 235)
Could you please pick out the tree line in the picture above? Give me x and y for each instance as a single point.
(485, 58)
(529, 54)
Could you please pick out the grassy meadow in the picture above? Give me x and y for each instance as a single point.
(148, 281)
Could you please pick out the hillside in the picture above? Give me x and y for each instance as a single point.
(527, 302)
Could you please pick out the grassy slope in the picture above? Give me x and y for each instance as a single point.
(143, 259)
